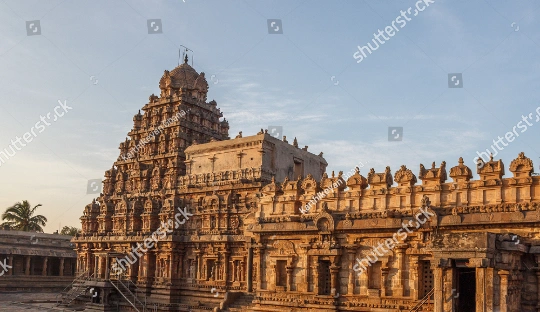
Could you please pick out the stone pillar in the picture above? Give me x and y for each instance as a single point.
(414, 276)
(141, 267)
(488, 282)
(290, 270)
(10, 263)
(439, 291)
(62, 266)
(503, 305)
(198, 259)
(334, 276)
(226, 266)
(107, 266)
(480, 289)
(315, 270)
(364, 279)
(303, 286)
(96, 265)
(28, 263)
(400, 259)
(384, 279)
(44, 269)
(103, 265)
(352, 261)
(448, 289)
(167, 267)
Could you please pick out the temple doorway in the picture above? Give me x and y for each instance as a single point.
(465, 295)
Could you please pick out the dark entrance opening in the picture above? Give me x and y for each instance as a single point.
(54, 264)
(324, 277)
(465, 295)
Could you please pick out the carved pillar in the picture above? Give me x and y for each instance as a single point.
(480, 289)
(414, 276)
(315, 270)
(334, 275)
(488, 282)
(62, 266)
(352, 261)
(439, 291)
(400, 259)
(107, 266)
(141, 267)
(304, 284)
(27, 267)
(167, 270)
(226, 256)
(290, 270)
(157, 266)
(96, 265)
(44, 269)
(503, 303)
(198, 259)
(364, 277)
(384, 280)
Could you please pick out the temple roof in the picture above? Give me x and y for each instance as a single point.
(184, 76)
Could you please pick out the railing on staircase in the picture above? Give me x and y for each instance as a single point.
(423, 301)
(123, 288)
(76, 289)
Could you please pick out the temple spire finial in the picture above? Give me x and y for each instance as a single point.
(186, 59)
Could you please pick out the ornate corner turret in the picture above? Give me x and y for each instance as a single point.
(380, 180)
(522, 166)
(491, 170)
(405, 177)
(461, 173)
(433, 176)
(357, 182)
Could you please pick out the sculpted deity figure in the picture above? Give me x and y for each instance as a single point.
(162, 147)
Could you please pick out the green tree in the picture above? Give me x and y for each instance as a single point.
(70, 230)
(21, 217)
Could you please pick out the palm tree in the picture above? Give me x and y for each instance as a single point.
(21, 217)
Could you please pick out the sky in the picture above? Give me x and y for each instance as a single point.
(455, 77)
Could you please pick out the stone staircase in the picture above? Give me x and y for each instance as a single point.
(241, 303)
(76, 289)
(123, 288)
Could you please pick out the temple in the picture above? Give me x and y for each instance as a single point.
(35, 262)
(191, 220)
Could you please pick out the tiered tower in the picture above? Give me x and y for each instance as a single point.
(152, 159)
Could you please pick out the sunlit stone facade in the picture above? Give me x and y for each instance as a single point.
(246, 244)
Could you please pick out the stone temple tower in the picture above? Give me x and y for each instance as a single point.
(152, 157)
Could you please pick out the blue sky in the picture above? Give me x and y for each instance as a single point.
(262, 79)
